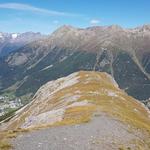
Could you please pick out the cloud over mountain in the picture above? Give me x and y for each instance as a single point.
(26, 7)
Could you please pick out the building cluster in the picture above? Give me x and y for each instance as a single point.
(7, 105)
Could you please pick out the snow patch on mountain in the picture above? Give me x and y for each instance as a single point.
(14, 35)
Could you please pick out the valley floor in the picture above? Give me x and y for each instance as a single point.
(102, 133)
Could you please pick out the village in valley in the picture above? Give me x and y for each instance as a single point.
(7, 105)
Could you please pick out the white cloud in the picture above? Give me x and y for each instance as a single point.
(55, 22)
(94, 21)
(26, 7)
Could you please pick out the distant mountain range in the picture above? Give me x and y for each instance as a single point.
(10, 42)
(123, 53)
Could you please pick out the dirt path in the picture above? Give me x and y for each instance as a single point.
(102, 133)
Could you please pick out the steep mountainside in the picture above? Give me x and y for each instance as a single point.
(80, 98)
(123, 53)
(11, 42)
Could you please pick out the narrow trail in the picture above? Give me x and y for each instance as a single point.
(102, 133)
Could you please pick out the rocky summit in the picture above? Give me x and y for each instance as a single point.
(83, 110)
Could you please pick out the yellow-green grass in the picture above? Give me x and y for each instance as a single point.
(122, 106)
(5, 137)
(4, 140)
(77, 115)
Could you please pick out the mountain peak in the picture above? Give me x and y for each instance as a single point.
(65, 28)
(66, 33)
(115, 27)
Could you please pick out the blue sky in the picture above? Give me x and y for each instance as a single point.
(47, 15)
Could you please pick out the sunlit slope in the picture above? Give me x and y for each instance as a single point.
(76, 99)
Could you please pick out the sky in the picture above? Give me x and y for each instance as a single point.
(45, 16)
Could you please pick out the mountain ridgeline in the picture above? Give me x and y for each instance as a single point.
(123, 53)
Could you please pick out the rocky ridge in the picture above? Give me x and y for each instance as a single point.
(83, 103)
(75, 98)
